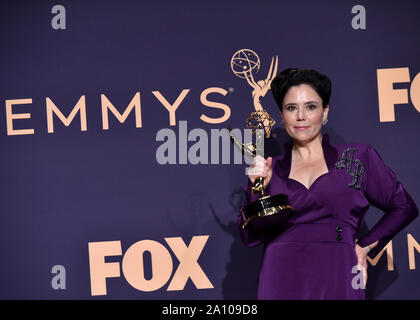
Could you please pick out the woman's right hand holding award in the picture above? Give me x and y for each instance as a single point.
(269, 212)
(261, 167)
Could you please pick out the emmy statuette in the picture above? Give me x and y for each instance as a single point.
(268, 209)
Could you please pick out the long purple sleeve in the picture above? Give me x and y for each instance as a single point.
(249, 236)
(384, 191)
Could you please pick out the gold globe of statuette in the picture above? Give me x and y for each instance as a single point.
(244, 62)
(260, 119)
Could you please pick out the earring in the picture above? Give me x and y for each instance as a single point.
(324, 121)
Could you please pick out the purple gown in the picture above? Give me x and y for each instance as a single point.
(313, 258)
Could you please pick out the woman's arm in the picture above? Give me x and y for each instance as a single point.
(261, 167)
(383, 190)
(249, 236)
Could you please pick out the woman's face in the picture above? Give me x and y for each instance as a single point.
(303, 113)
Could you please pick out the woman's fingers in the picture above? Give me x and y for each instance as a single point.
(260, 167)
(362, 267)
(362, 263)
(364, 270)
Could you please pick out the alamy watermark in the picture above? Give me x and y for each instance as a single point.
(198, 147)
(59, 280)
(358, 281)
(58, 22)
(358, 22)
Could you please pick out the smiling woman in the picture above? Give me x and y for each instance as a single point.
(317, 255)
(303, 116)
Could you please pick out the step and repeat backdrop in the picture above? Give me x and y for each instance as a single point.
(117, 176)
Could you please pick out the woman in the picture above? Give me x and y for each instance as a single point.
(331, 188)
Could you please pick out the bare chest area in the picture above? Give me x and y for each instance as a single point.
(307, 172)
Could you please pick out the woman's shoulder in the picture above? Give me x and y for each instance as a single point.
(357, 147)
(362, 151)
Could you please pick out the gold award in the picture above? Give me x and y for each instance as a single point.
(266, 205)
(268, 208)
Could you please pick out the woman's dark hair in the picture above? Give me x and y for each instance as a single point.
(294, 77)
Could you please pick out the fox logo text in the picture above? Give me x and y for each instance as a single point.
(133, 264)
